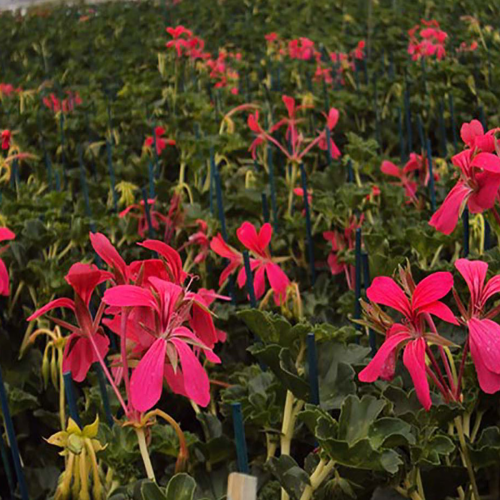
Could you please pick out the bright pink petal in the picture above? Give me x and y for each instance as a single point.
(485, 335)
(446, 217)
(83, 278)
(77, 357)
(414, 360)
(277, 278)
(484, 197)
(390, 169)
(470, 131)
(265, 233)
(377, 365)
(247, 234)
(54, 304)
(108, 252)
(431, 288)
(442, 311)
(385, 291)
(6, 234)
(4, 279)
(474, 274)
(488, 162)
(129, 296)
(171, 256)
(146, 383)
(491, 288)
(196, 381)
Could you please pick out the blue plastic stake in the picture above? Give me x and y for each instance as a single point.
(487, 235)
(248, 272)
(431, 177)
(350, 171)
(367, 283)
(104, 393)
(274, 203)
(147, 210)
(310, 246)
(6, 467)
(211, 174)
(9, 426)
(70, 396)
(151, 177)
(239, 436)
(220, 203)
(465, 222)
(112, 176)
(312, 361)
(401, 137)
(357, 282)
(328, 146)
(442, 130)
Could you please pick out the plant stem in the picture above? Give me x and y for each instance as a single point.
(461, 371)
(123, 351)
(141, 438)
(293, 180)
(465, 453)
(318, 476)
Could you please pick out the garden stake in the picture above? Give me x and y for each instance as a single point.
(350, 171)
(420, 128)
(431, 177)
(367, 282)
(70, 396)
(442, 129)
(274, 205)
(112, 176)
(312, 361)
(211, 177)
(155, 153)
(465, 223)
(487, 235)
(6, 467)
(239, 436)
(357, 283)
(482, 117)
(248, 272)
(104, 393)
(11, 435)
(328, 146)
(151, 181)
(402, 150)
(265, 208)
(147, 211)
(453, 124)
(83, 180)
(310, 245)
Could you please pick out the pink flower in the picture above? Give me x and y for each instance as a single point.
(235, 258)
(87, 341)
(271, 37)
(5, 235)
(168, 339)
(358, 52)
(199, 239)
(473, 135)
(477, 187)
(484, 334)
(161, 143)
(180, 36)
(262, 263)
(410, 334)
(6, 138)
(138, 211)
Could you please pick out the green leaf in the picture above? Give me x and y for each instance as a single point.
(390, 433)
(151, 491)
(181, 487)
(291, 477)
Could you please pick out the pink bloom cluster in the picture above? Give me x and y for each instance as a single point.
(305, 49)
(5, 235)
(164, 326)
(6, 137)
(65, 105)
(415, 331)
(261, 261)
(161, 143)
(414, 173)
(467, 48)
(479, 180)
(342, 241)
(427, 40)
(7, 89)
(293, 135)
(192, 47)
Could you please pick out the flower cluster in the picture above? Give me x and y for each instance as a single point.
(416, 332)
(296, 148)
(65, 105)
(5, 235)
(479, 180)
(7, 89)
(161, 143)
(427, 41)
(164, 326)
(261, 262)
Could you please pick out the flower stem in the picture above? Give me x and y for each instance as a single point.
(141, 438)
(318, 476)
(461, 371)
(123, 351)
(467, 460)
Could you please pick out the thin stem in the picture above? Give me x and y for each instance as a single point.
(318, 476)
(465, 453)
(441, 388)
(108, 375)
(461, 371)
(141, 438)
(442, 385)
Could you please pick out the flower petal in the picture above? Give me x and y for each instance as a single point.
(386, 291)
(446, 216)
(432, 288)
(485, 335)
(474, 274)
(414, 360)
(54, 304)
(129, 296)
(146, 383)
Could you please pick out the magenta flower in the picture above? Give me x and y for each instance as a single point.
(5, 235)
(161, 143)
(410, 334)
(6, 137)
(167, 348)
(87, 341)
(484, 334)
(235, 258)
(477, 188)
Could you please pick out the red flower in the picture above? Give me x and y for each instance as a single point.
(137, 211)
(200, 239)
(422, 301)
(6, 138)
(161, 144)
(484, 334)
(5, 235)
(87, 341)
(235, 258)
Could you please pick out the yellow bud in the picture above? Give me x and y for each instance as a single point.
(54, 371)
(75, 444)
(45, 367)
(90, 431)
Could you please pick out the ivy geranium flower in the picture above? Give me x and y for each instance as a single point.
(5, 235)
